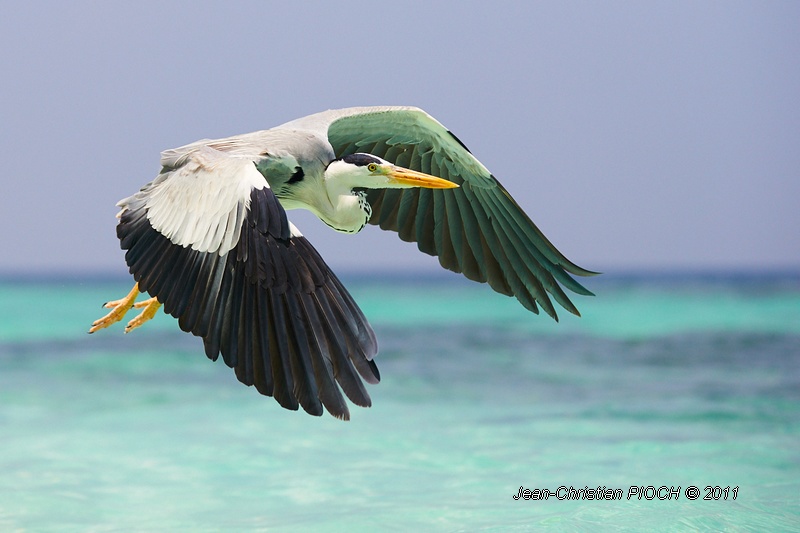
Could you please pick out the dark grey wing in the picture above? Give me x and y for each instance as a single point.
(211, 242)
(477, 229)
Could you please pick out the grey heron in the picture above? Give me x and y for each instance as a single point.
(209, 240)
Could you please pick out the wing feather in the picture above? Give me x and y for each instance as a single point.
(244, 366)
(321, 363)
(477, 229)
(260, 347)
(284, 353)
(406, 216)
(424, 221)
(305, 384)
(343, 368)
(475, 263)
(209, 239)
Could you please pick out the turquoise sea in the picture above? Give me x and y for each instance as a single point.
(674, 381)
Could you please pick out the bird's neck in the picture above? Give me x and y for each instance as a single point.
(346, 211)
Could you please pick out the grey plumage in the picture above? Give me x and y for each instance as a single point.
(209, 238)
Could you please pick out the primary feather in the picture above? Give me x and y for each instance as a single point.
(209, 238)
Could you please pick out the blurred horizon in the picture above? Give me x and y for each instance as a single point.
(428, 275)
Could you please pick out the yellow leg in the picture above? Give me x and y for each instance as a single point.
(118, 310)
(151, 307)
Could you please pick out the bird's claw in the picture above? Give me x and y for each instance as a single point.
(113, 304)
(149, 309)
(118, 310)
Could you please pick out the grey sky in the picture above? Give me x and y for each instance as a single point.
(635, 134)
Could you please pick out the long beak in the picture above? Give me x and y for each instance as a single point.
(412, 178)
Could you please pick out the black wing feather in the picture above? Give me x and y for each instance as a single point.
(270, 306)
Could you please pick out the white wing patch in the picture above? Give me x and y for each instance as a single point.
(203, 203)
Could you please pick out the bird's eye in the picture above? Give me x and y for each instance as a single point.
(372, 167)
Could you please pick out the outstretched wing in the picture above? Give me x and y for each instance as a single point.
(210, 241)
(477, 229)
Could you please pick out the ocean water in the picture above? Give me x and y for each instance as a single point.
(667, 383)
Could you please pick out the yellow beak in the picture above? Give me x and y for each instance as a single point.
(412, 178)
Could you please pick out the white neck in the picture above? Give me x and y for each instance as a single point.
(336, 204)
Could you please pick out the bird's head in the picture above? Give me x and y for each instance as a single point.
(371, 172)
(342, 202)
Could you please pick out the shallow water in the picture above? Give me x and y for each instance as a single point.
(665, 381)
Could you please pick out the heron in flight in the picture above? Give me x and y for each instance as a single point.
(209, 240)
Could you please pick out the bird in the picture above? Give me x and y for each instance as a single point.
(209, 240)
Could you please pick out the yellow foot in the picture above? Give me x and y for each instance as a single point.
(151, 307)
(118, 310)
